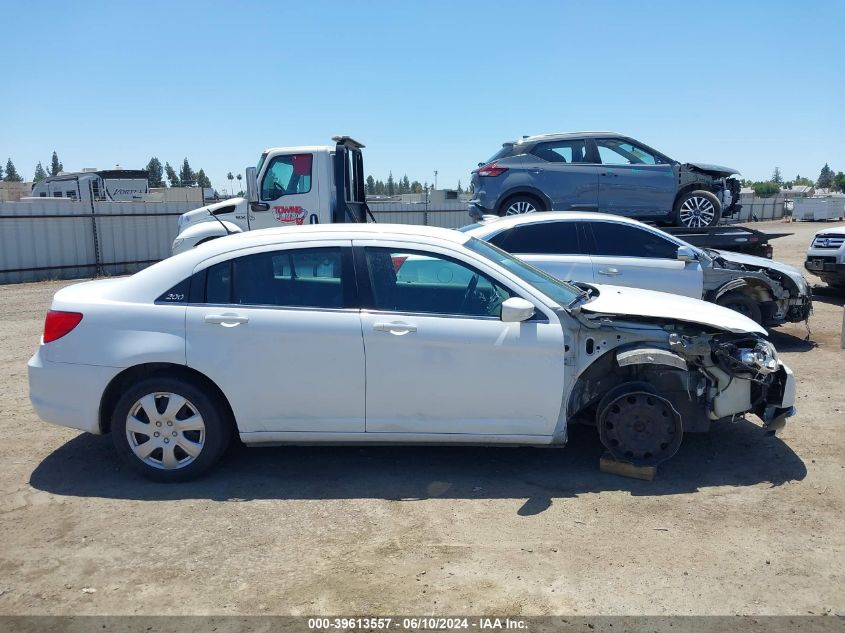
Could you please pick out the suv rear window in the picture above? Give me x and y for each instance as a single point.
(507, 150)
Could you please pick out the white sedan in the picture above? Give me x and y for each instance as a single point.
(378, 333)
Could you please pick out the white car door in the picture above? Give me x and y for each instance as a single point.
(440, 360)
(275, 330)
(554, 246)
(629, 255)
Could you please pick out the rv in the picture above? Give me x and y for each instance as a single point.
(111, 185)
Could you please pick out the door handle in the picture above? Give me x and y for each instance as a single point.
(610, 272)
(609, 173)
(536, 170)
(226, 320)
(398, 329)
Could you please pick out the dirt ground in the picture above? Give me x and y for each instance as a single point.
(737, 522)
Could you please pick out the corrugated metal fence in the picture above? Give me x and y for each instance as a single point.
(449, 215)
(64, 239)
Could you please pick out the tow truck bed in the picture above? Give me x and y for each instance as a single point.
(736, 238)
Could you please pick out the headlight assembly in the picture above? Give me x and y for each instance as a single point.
(753, 356)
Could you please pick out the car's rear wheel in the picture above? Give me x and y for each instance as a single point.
(639, 426)
(169, 430)
(740, 302)
(697, 209)
(520, 205)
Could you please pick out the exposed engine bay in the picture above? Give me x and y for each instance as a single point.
(779, 296)
(712, 178)
(651, 384)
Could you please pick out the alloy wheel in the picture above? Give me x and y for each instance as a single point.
(697, 212)
(165, 430)
(520, 207)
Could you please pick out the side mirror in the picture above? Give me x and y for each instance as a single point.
(252, 191)
(686, 254)
(516, 309)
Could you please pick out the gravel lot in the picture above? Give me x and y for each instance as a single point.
(736, 523)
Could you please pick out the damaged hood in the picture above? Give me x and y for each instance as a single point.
(718, 170)
(767, 264)
(636, 302)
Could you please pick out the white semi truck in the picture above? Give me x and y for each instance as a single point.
(290, 186)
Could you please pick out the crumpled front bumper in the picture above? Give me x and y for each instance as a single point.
(782, 406)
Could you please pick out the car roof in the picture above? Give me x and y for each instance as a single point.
(160, 276)
(510, 221)
(553, 136)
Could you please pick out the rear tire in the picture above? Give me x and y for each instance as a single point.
(740, 302)
(697, 209)
(168, 430)
(520, 205)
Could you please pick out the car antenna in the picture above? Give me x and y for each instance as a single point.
(222, 223)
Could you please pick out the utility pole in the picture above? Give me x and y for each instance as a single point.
(435, 180)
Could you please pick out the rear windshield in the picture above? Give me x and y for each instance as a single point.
(507, 150)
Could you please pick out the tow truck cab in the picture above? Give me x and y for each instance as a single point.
(289, 186)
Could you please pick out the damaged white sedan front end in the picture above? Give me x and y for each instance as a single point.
(656, 366)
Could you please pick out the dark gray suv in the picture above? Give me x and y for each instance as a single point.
(602, 171)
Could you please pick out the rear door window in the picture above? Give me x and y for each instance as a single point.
(625, 240)
(308, 278)
(541, 238)
(567, 151)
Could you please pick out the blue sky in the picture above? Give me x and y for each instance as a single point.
(425, 85)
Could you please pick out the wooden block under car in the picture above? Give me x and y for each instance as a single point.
(609, 464)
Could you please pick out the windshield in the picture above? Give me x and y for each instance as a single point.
(561, 292)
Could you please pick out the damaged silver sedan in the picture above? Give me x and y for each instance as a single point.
(601, 248)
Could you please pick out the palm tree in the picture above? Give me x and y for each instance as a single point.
(240, 177)
(231, 178)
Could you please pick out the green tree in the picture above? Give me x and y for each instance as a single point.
(187, 175)
(1, 172)
(371, 185)
(156, 172)
(825, 177)
(240, 178)
(12, 174)
(416, 187)
(765, 189)
(391, 186)
(202, 179)
(839, 182)
(231, 178)
(379, 188)
(40, 174)
(55, 165)
(172, 176)
(800, 180)
(460, 188)
(406, 184)
(776, 177)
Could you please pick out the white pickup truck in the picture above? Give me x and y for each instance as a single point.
(826, 256)
(290, 186)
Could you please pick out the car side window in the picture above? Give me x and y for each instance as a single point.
(541, 238)
(566, 151)
(416, 281)
(619, 152)
(287, 175)
(625, 240)
(307, 278)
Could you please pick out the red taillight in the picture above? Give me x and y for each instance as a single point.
(490, 169)
(398, 260)
(59, 323)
